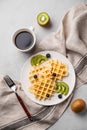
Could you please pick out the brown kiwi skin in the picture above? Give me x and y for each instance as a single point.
(44, 24)
(78, 105)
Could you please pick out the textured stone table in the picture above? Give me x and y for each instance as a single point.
(16, 14)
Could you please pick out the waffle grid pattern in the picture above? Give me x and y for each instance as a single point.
(43, 86)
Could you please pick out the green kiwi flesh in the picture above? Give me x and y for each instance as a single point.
(43, 18)
(62, 87)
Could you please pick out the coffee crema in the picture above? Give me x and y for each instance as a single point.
(24, 40)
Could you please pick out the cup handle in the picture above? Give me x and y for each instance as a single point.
(32, 28)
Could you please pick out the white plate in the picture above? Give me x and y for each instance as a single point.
(70, 80)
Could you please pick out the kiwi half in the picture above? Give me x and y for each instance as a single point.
(43, 19)
(38, 59)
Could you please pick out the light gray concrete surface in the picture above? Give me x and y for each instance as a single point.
(16, 14)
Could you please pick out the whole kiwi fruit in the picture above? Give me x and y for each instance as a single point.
(78, 105)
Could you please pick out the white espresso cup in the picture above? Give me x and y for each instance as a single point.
(24, 39)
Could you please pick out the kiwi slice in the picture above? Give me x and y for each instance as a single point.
(62, 87)
(38, 59)
(43, 19)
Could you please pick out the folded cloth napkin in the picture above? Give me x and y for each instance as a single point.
(70, 40)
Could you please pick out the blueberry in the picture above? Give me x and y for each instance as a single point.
(47, 95)
(54, 74)
(35, 76)
(48, 55)
(60, 96)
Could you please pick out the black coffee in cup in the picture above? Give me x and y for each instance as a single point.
(24, 40)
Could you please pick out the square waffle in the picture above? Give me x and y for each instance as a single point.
(41, 71)
(59, 68)
(43, 89)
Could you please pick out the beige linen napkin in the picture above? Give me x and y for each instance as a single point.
(70, 40)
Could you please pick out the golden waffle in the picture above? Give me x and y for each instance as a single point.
(41, 71)
(59, 69)
(43, 89)
(43, 86)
